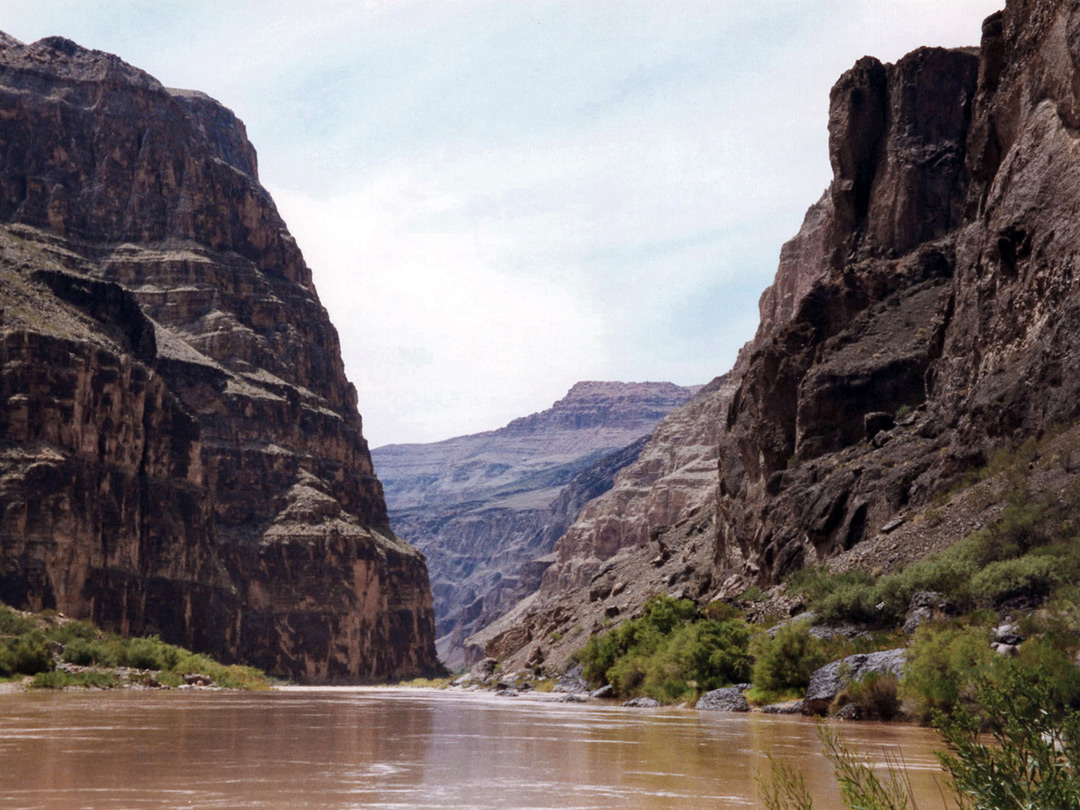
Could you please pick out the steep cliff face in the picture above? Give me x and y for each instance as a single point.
(654, 531)
(486, 509)
(211, 480)
(937, 321)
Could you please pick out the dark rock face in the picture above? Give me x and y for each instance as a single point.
(927, 315)
(829, 681)
(183, 452)
(487, 509)
(861, 350)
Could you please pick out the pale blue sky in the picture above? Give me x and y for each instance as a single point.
(498, 199)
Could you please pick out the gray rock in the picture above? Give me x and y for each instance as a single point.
(790, 707)
(642, 703)
(829, 681)
(849, 711)
(603, 692)
(923, 607)
(508, 692)
(572, 681)
(1006, 634)
(481, 673)
(728, 699)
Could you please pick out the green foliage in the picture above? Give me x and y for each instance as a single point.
(942, 665)
(61, 680)
(27, 652)
(1016, 747)
(669, 653)
(150, 653)
(13, 624)
(92, 653)
(1027, 553)
(786, 660)
(1034, 758)
(1032, 576)
(876, 695)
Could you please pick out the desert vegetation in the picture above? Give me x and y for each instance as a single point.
(55, 652)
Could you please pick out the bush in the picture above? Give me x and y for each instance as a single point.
(14, 624)
(150, 653)
(1033, 759)
(876, 696)
(91, 653)
(668, 653)
(942, 666)
(1032, 576)
(786, 660)
(60, 680)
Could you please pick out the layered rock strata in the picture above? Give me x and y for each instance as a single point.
(486, 509)
(182, 450)
(936, 322)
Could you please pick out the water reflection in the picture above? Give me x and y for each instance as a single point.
(351, 748)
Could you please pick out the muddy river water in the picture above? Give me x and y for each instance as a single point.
(405, 748)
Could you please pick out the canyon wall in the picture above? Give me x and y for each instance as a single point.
(933, 319)
(487, 508)
(182, 449)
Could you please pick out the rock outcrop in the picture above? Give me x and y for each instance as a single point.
(486, 509)
(182, 452)
(933, 318)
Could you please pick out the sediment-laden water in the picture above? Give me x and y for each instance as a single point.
(397, 748)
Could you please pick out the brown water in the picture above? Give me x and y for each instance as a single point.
(397, 748)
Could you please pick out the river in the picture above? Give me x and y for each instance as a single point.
(346, 748)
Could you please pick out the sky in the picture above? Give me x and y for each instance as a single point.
(499, 198)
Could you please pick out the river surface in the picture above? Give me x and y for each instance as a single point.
(407, 748)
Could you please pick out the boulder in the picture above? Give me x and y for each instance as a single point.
(923, 607)
(728, 699)
(829, 681)
(572, 681)
(642, 703)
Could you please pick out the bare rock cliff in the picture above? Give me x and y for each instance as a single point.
(182, 450)
(934, 318)
(486, 509)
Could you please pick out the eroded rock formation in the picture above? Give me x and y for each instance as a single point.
(934, 317)
(486, 509)
(182, 452)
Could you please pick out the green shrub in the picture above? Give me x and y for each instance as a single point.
(669, 653)
(7, 662)
(91, 653)
(1033, 758)
(150, 653)
(786, 660)
(14, 624)
(876, 696)
(70, 631)
(942, 666)
(1031, 576)
(60, 680)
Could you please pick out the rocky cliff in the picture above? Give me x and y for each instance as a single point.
(934, 320)
(486, 509)
(182, 452)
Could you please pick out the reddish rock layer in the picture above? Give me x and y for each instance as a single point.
(213, 387)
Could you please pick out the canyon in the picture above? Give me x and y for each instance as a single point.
(924, 318)
(181, 450)
(487, 508)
